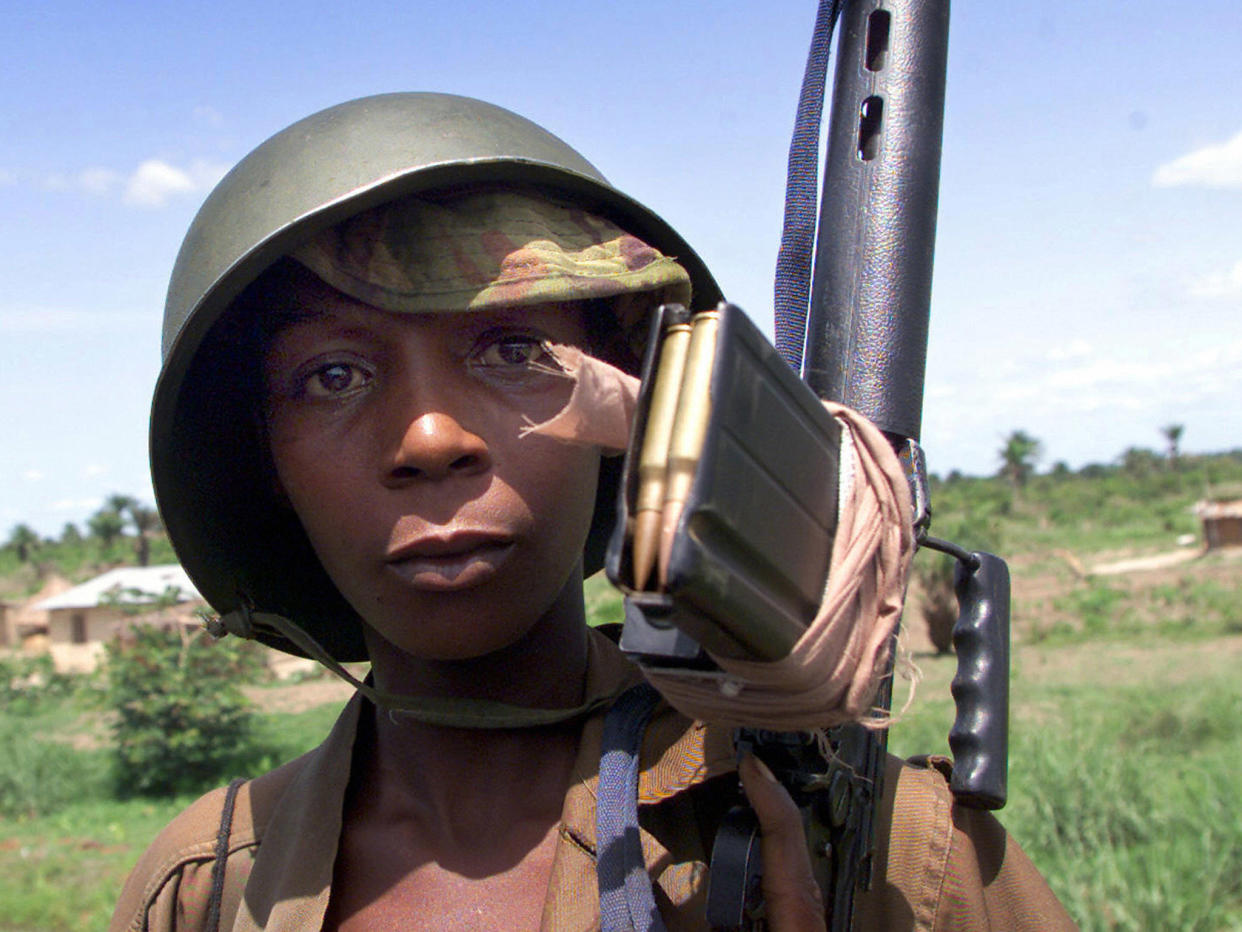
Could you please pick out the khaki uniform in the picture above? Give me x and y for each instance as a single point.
(939, 867)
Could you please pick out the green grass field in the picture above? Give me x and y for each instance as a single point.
(1124, 775)
(65, 844)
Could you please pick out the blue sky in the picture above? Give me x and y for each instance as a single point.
(1089, 259)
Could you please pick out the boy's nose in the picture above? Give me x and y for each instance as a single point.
(436, 446)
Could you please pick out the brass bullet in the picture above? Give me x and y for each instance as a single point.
(653, 456)
(694, 408)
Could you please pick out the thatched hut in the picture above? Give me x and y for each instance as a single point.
(1222, 523)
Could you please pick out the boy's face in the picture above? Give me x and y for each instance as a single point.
(396, 439)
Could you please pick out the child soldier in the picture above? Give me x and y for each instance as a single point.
(362, 326)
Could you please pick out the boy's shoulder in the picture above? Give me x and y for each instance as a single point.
(942, 866)
(178, 864)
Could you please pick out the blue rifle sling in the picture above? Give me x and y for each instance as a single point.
(797, 248)
(626, 898)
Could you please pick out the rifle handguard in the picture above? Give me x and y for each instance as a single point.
(979, 738)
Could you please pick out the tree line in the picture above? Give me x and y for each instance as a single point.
(125, 517)
(1020, 453)
(120, 517)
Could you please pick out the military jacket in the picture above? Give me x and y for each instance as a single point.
(938, 867)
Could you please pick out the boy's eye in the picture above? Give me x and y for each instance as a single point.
(334, 379)
(511, 351)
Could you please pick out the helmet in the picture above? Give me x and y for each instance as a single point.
(209, 464)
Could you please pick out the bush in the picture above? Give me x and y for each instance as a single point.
(183, 723)
(38, 776)
(28, 682)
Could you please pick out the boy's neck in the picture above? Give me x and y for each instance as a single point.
(544, 669)
(432, 773)
(455, 817)
(456, 784)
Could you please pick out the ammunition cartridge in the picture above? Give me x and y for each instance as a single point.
(653, 456)
(694, 408)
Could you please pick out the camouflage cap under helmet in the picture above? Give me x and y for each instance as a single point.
(209, 464)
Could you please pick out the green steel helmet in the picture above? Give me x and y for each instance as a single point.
(210, 467)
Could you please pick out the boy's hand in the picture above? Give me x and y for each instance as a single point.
(792, 898)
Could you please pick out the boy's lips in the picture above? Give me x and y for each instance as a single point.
(444, 564)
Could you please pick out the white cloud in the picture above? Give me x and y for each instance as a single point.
(1112, 378)
(98, 180)
(1100, 371)
(1215, 166)
(1086, 407)
(90, 470)
(152, 184)
(94, 180)
(32, 475)
(155, 181)
(1227, 284)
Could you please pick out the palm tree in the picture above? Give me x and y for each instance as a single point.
(24, 541)
(146, 521)
(1018, 457)
(106, 525)
(118, 503)
(1173, 436)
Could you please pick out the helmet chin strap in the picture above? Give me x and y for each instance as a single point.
(430, 710)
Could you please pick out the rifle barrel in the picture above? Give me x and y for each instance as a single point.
(871, 290)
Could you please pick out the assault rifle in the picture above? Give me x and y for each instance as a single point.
(865, 342)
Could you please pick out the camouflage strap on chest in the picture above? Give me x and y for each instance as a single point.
(626, 897)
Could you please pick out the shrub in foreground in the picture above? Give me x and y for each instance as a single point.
(182, 722)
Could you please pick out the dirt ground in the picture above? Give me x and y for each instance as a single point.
(1038, 585)
(298, 697)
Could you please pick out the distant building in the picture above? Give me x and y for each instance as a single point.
(1222, 523)
(81, 620)
(22, 625)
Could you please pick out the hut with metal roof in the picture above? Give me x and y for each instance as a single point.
(84, 618)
